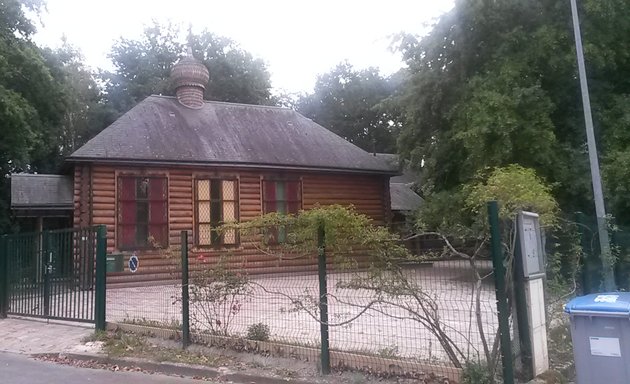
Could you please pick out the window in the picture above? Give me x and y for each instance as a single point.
(216, 204)
(282, 196)
(142, 212)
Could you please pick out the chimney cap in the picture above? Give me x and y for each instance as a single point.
(189, 72)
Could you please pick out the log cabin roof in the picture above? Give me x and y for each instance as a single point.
(40, 194)
(406, 174)
(404, 198)
(159, 129)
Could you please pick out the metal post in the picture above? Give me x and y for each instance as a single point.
(600, 210)
(4, 276)
(48, 265)
(522, 318)
(323, 299)
(101, 278)
(185, 297)
(498, 261)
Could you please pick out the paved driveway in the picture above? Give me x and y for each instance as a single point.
(30, 336)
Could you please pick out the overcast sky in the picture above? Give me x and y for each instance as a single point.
(297, 39)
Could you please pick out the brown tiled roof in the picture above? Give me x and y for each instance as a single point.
(161, 130)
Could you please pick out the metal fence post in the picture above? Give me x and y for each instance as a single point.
(101, 278)
(323, 299)
(48, 257)
(522, 320)
(185, 296)
(4, 276)
(498, 261)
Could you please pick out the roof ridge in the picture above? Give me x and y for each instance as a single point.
(231, 103)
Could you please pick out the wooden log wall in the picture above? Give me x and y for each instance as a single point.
(96, 186)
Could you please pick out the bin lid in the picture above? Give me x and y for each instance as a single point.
(610, 303)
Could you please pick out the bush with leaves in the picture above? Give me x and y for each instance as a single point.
(351, 240)
(258, 332)
(217, 294)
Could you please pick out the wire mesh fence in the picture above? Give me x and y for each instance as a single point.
(431, 315)
(591, 274)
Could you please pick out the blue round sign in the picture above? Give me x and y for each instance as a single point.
(133, 263)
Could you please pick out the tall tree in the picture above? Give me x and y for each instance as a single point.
(495, 83)
(354, 104)
(31, 104)
(142, 68)
(86, 113)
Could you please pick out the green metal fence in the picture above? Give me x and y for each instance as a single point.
(54, 275)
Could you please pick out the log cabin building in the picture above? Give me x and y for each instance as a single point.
(183, 163)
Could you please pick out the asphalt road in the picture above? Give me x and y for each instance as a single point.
(20, 369)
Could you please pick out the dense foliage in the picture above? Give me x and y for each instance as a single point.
(51, 103)
(143, 68)
(355, 105)
(495, 83)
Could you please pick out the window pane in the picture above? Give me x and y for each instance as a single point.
(229, 211)
(142, 190)
(203, 189)
(203, 209)
(142, 212)
(281, 193)
(215, 237)
(229, 237)
(229, 190)
(215, 190)
(215, 213)
(142, 234)
(204, 234)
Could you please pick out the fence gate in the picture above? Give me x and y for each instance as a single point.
(54, 274)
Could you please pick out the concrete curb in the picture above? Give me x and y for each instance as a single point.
(179, 369)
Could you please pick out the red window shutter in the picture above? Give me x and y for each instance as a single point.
(293, 196)
(158, 210)
(269, 190)
(127, 211)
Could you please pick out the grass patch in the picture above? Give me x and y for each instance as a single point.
(173, 324)
(98, 335)
(121, 344)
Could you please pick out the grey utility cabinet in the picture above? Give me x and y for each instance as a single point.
(600, 329)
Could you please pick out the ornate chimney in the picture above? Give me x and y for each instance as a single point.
(189, 78)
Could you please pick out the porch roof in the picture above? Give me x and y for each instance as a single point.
(41, 195)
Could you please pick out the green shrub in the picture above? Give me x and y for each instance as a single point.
(476, 373)
(258, 331)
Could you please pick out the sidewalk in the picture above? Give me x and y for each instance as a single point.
(33, 336)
